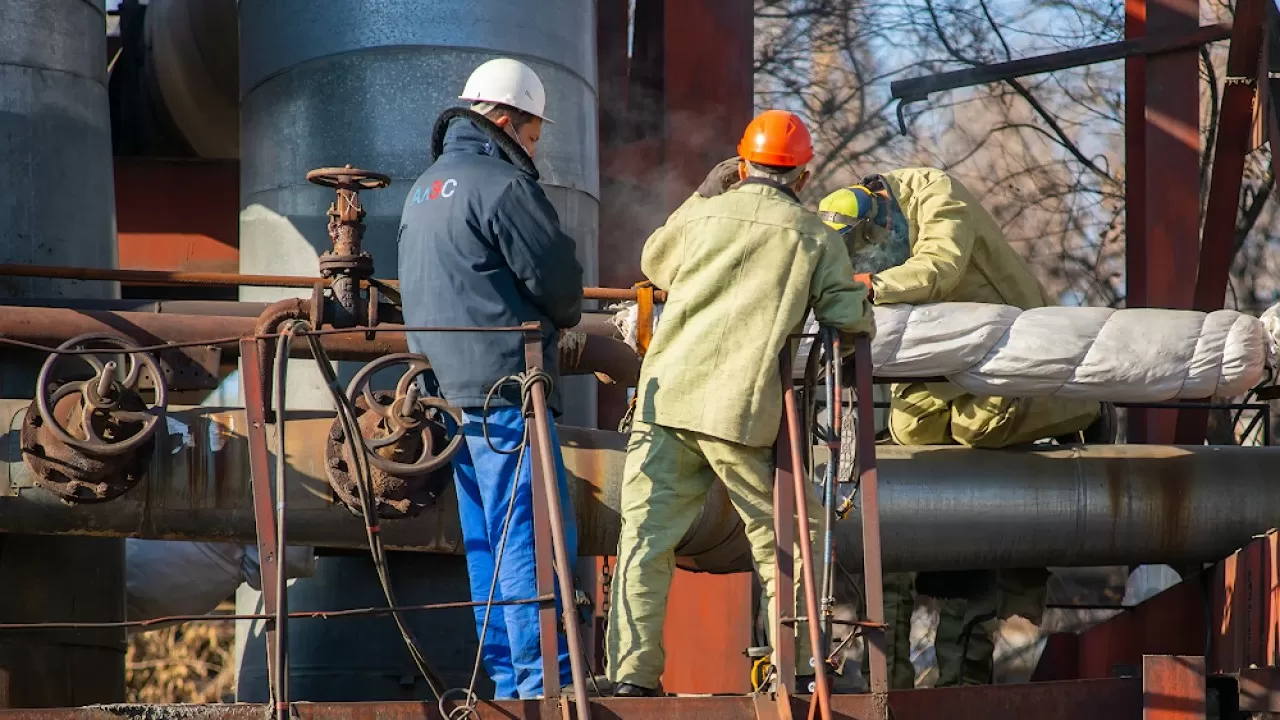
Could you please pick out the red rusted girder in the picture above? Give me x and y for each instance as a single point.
(1173, 687)
(784, 534)
(548, 532)
(869, 488)
(1232, 143)
(1172, 622)
(256, 408)
(1162, 126)
(178, 215)
(1230, 147)
(1246, 601)
(1113, 699)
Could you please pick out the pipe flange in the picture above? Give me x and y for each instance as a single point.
(72, 474)
(360, 266)
(113, 417)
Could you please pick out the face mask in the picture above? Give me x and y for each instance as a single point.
(512, 133)
(874, 248)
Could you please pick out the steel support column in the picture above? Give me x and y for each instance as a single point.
(1162, 118)
(1231, 144)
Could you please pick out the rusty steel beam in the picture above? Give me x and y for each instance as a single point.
(1232, 144)
(1246, 607)
(169, 278)
(940, 507)
(1116, 699)
(178, 215)
(602, 353)
(1230, 147)
(1173, 687)
(1162, 115)
(919, 88)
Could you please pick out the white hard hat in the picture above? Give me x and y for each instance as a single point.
(509, 82)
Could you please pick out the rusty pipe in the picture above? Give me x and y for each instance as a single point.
(940, 507)
(52, 326)
(177, 278)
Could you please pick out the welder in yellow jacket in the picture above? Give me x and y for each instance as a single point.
(918, 236)
(741, 266)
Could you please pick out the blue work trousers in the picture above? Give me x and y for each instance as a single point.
(485, 479)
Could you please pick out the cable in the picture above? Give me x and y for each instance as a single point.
(280, 681)
(296, 615)
(364, 484)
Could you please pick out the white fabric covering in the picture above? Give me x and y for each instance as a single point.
(1134, 355)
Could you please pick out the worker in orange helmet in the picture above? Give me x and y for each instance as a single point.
(743, 262)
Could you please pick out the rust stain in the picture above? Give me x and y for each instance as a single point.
(1173, 494)
(225, 458)
(1118, 492)
(197, 475)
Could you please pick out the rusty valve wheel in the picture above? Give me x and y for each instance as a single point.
(87, 440)
(400, 433)
(107, 394)
(348, 178)
(406, 413)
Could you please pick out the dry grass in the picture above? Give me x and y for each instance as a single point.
(192, 663)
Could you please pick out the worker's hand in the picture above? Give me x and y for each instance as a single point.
(721, 178)
(865, 279)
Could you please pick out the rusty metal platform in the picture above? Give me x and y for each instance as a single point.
(1070, 700)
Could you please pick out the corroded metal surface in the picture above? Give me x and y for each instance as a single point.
(70, 473)
(396, 495)
(52, 326)
(89, 439)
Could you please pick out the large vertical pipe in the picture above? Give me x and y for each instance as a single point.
(362, 82)
(56, 208)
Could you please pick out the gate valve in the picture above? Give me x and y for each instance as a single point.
(407, 437)
(89, 439)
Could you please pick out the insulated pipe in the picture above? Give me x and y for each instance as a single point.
(941, 507)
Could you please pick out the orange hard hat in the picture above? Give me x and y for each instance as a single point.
(776, 137)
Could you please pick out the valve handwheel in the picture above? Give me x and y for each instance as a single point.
(406, 412)
(348, 178)
(109, 398)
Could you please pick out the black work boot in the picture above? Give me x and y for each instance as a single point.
(629, 690)
(597, 686)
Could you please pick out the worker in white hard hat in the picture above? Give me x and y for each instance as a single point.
(480, 245)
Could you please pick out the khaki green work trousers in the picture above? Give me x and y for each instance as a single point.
(944, 414)
(665, 483)
(963, 646)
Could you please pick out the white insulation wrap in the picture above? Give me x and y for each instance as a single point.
(1134, 355)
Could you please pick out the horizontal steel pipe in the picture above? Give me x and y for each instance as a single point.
(50, 327)
(179, 278)
(943, 507)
